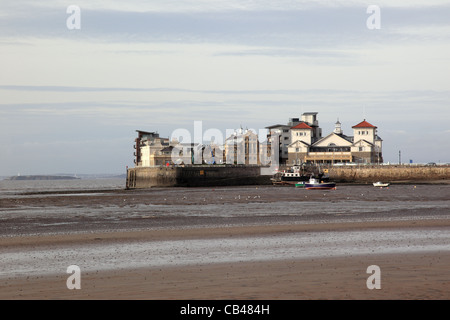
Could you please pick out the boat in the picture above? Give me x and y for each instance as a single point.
(300, 184)
(381, 184)
(295, 175)
(290, 177)
(314, 184)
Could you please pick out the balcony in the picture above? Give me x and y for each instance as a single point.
(329, 156)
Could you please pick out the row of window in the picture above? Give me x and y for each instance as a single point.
(346, 149)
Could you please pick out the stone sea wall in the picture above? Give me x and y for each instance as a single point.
(195, 176)
(201, 176)
(392, 173)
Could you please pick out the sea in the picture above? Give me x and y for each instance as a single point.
(61, 205)
(9, 188)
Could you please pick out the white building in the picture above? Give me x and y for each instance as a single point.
(153, 151)
(242, 147)
(281, 136)
(365, 146)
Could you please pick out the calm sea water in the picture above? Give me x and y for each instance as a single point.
(22, 213)
(10, 187)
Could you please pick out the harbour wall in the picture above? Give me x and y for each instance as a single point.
(390, 173)
(235, 175)
(195, 176)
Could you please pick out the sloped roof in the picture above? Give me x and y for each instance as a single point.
(364, 124)
(342, 136)
(277, 126)
(301, 125)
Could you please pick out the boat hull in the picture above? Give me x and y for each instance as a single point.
(320, 186)
(381, 185)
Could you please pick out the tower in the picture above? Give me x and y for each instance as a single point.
(338, 128)
(364, 131)
(310, 118)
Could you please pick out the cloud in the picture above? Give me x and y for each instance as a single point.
(254, 23)
(160, 65)
(82, 89)
(261, 107)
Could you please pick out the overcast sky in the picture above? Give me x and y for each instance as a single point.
(71, 99)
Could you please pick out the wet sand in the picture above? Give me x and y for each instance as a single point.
(424, 275)
(420, 273)
(409, 276)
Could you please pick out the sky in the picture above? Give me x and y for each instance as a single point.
(75, 86)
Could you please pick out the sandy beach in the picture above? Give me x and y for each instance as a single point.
(132, 249)
(423, 275)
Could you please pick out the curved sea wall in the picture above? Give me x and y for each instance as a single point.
(392, 173)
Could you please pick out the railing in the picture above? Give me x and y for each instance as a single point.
(329, 156)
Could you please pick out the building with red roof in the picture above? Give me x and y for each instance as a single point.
(364, 124)
(281, 136)
(365, 146)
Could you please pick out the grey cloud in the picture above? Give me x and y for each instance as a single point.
(321, 26)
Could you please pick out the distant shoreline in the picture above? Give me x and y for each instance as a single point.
(63, 176)
(42, 177)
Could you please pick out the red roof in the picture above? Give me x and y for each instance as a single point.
(301, 125)
(364, 124)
